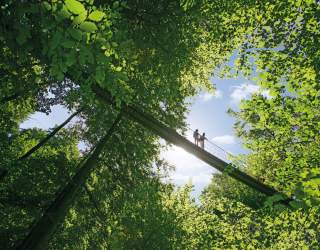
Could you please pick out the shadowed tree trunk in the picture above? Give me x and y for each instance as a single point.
(40, 233)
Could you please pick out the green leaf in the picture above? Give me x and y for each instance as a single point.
(96, 15)
(56, 40)
(100, 75)
(229, 169)
(118, 69)
(63, 13)
(115, 4)
(296, 204)
(88, 26)
(274, 199)
(57, 72)
(75, 7)
(47, 6)
(23, 36)
(80, 18)
(71, 58)
(75, 34)
(68, 44)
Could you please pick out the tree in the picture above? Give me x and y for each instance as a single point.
(41, 232)
(32, 184)
(282, 128)
(222, 186)
(116, 45)
(156, 54)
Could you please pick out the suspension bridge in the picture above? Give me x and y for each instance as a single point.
(217, 158)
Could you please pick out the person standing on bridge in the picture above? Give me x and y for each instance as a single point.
(196, 136)
(201, 140)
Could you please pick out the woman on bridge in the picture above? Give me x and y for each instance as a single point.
(201, 140)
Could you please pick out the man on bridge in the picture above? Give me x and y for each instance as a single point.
(196, 136)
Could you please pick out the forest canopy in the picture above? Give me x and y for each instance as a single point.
(155, 55)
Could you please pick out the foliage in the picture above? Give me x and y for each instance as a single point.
(156, 54)
(282, 129)
(223, 186)
(239, 227)
(32, 184)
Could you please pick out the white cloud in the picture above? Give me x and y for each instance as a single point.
(184, 161)
(208, 96)
(243, 91)
(218, 93)
(224, 139)
(188, 169)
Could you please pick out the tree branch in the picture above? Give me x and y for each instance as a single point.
(44, 140)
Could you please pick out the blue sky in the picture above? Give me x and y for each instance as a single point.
(208, 113)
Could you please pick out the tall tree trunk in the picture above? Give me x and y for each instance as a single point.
(47, 138)
(39, 235)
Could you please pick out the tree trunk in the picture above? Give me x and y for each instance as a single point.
(47, 138)
(40, 234)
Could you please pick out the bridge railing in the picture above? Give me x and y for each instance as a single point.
(215, 149)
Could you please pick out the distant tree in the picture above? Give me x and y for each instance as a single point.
(223, 186)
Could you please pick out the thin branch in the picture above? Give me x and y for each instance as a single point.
(47, 138)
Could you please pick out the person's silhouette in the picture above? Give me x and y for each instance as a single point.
(201, 140)
(196, 137)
